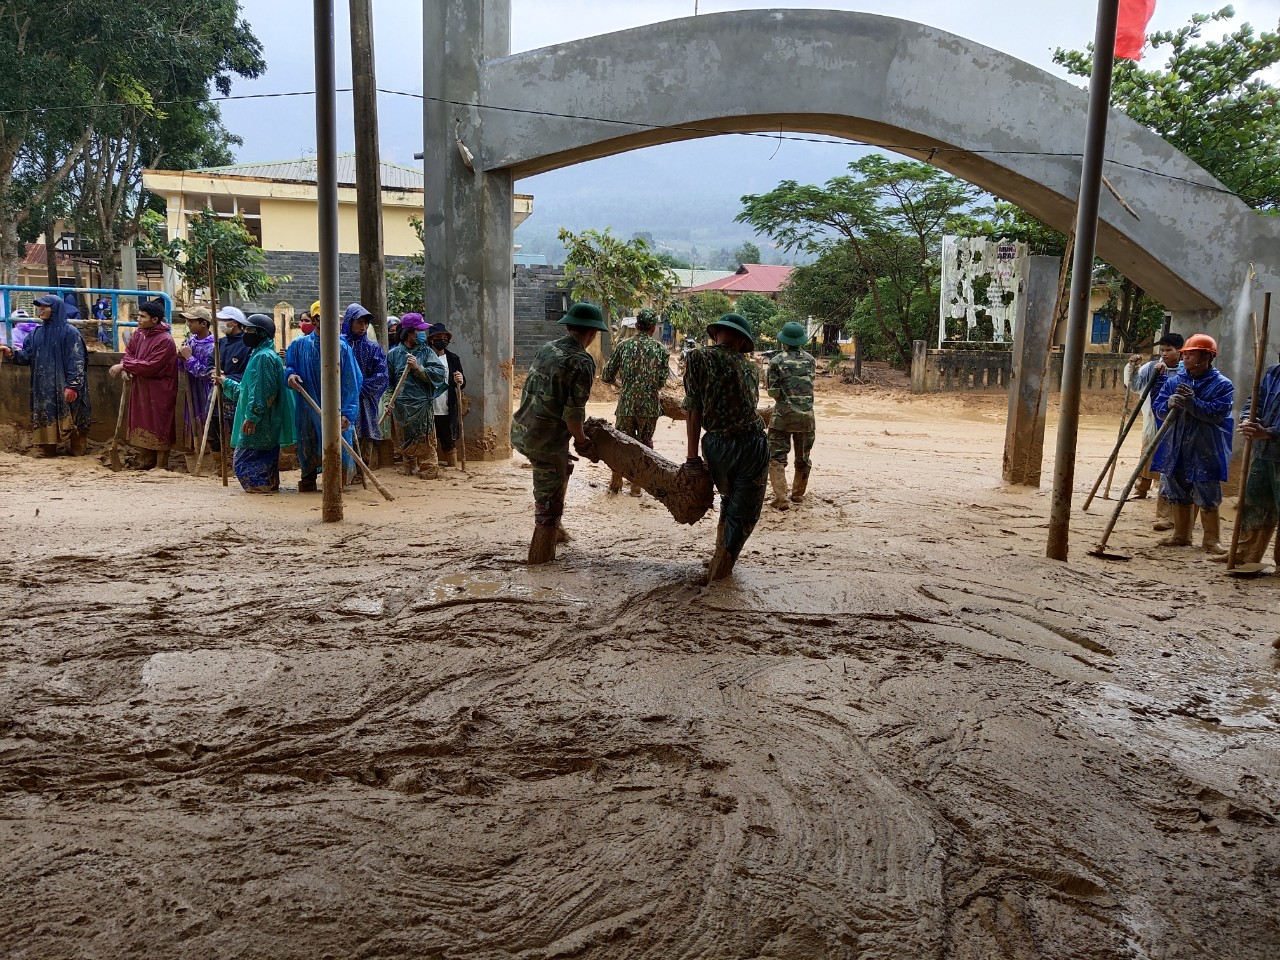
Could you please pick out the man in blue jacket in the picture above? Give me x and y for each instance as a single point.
(302, 368)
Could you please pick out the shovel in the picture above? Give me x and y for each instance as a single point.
(364, 469)
(1260, 351)
(1124, 432)
(1100, 550)
(462, 430)
(114, 454)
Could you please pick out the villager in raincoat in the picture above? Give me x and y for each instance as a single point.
(151, 361)
(302, 368)
(414, 411)
(448, 407)
(373, 371)
(1194, 455)
(553, 409)
(264, 416)
(195, 357)
(233, 355)
(59, 387)
(1157, 370)
(1262, 488)
(722, 386)
(642, 363)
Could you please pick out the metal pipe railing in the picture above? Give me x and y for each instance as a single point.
(115, 294)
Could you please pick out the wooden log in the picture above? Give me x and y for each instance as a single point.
(688, 494)
(671, 408)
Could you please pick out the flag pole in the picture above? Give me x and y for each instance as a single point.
(1064, 465)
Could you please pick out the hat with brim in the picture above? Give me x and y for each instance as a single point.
(439, 330)
(792, 334)
(736, 323)
(231, 314)
(197, 313)
(412, 321)
(585, 316)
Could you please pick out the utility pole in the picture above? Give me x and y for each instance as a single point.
(327, 209)
(364, 94)
(1064, 464)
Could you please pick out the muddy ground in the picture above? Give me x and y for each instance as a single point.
(227, 730)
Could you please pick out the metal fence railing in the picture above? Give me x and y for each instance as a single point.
(12, 297)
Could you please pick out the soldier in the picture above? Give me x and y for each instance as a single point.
(553, 408)
(644, 367)
(790, 383)
(1193, 457)
(721, 386)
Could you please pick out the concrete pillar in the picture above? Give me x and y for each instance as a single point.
(919, 365)
(1029, 384)
(467, 214)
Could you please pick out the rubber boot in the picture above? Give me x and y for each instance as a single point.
(721, 562)
(615, 482)
(1142, 488)
(307, 484)
(49, 450)
(79, 443)
(778, 479)
(1253, 545)
(147, 459)
(429, 464)
(546, 528)
(1181, 536)
(800, 484)
(1164, 516)
(162, 459)
(1211, 521)
(449, 458)
(636, 489)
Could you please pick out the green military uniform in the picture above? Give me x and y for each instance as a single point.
(723, 386)
(790, 384)
(642, 364)
(556, 391)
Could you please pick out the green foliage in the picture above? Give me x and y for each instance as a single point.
(1134, 315)
(884, 219)
(1012, 223)
(237, 258)
(747, 253)
(618, 275)
(406, 289)
(671, 261)
(702, 308)
(758, 311)
(1210, 100)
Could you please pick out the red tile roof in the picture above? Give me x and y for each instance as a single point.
(751, 278)
(34, 257)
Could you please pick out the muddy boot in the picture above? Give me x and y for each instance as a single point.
(778, 480)
(546, 528)
(1164, 516)
(1211, 521)
(428, 465)
(615, 482)
(1253, 545)
(563, 535)
(146, 459)
(721, 562)
(800, 484)
(1142, 488)
(48, 450)
(79, 443)
(1181, 536)
(449, 458)
(636, 489)
(162, 459)
(307, 484)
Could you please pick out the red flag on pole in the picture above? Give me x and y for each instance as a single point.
(1131, 28)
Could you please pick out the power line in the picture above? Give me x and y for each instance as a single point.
(931, 151)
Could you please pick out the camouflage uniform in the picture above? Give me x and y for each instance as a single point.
(724, 385)
(642, 362)
(555, 392)
(790, 383)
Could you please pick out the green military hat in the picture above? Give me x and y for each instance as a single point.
(586, 316)
(736, 323)
(792, 334)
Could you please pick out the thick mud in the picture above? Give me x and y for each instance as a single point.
(228, 730)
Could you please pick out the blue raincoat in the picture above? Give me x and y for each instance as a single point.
(1268, 415)
(56, 354)
(303, 359)
(373, 368)
(1198, 447)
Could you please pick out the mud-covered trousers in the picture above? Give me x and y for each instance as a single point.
(739, 466)
(1262, 496)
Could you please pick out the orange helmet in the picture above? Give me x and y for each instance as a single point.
(1200, 341)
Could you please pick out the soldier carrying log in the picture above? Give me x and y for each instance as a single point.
(552, 409)
(722, 386)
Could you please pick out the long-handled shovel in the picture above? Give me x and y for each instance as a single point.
(364, 469)
(394, 393)
(1260, 359)
(462, 430)
(215, 403)
(114, 454)
(1100, 550)
(1119, 443)
(1111, 475)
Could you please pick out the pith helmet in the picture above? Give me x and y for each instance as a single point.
(586, 316)
(792, 334)
(736, 323)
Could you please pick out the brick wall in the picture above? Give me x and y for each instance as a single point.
(539, 302)
(304, 287)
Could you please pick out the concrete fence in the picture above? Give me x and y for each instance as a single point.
(990, 371)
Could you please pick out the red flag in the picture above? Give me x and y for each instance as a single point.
(1131, 28)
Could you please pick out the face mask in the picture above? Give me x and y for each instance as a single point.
(420, 339)
(439, 344)
(252, 338)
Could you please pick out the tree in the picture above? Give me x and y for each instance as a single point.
(828, 290)
(1134, 315)
(747, 253)
(618, 275)
(406, 290)
(1210, 101)
(891, 216)
(237, 258)
(704, 308)
(671, 261)
(758, 311)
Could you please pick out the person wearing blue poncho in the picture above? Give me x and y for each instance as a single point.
(1193, 457)
(373, 369)
(1261, 502)
(302, 367)
(59, 396)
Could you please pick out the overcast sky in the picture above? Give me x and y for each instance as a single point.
(284, 128)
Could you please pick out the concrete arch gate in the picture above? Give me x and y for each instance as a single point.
(1002, 124)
